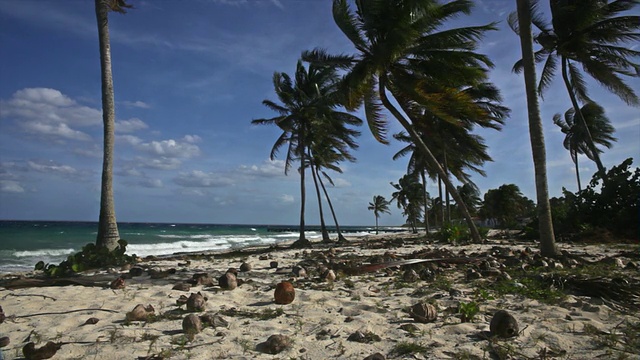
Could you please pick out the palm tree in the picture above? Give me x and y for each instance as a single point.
(108, 234)
(547, 238)
(409, 197)
(379, 206)
(308, 107)
(575, 138)
(470, 193)
(589, 33)
(399, 52)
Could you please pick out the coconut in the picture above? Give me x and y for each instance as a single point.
(503, 325)
(140, 313)
(117, 283)
(191, 325)
(423, 312)
(245, 266)
(284, 293)
(277, 343)
(196, 302)
(228, 281)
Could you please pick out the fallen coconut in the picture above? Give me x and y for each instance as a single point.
(196, 302)
(91, 321)
(284, 293)
(181, 287)
(46, 352)
(277, 343)
(4, 341)
(423, 312)
(140, 313)
(203, 279)
(228, 281)
(117, 284)
(273, 264)
(503, 325)
(191, 325)
(245, 266)
(2, 316)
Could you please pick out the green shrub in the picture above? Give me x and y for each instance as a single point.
(454, 233)
(91, 257)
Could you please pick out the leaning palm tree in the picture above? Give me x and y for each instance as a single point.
(409, 197)
(379, 206)
(399, 53)
(545, 225)
(576, 140)
(108, 234)
(593, 34)
(307, 102)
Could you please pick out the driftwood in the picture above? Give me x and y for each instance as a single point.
(27, 282)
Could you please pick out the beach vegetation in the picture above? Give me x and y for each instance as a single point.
(507, 206)
(468, 311)
(91, 257)
(409, 196)
(403, 348)
(379, 206)
(453, 233)
(396, 63)
(265, 314)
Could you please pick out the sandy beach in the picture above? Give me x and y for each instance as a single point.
(362, 313)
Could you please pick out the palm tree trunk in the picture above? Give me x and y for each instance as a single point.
(547, 238)
(441, 201)
(578, 174)
(583, 123)
(425, 199)
(323, 226)
(108, 234)
(302, 240)
(446, 195)
(341, 238)
(376, 215)
(475, 235)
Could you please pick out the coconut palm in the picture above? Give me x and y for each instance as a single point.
(591, 33)
(409, 196)
(545, 225)
(304, 100)
(108, 234)
(399, 53)
(379, 206)
(470, 193)
(576, 140)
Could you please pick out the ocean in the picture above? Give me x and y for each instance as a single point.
(24, 243)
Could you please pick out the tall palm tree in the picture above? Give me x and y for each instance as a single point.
(547, 238)
(590, 33)
(399, 53)
(576, 140)
(108, 234)
(408, 196)
(308, 107)
(470, 193)
(379, 206)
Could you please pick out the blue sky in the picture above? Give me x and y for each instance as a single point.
(189, 78)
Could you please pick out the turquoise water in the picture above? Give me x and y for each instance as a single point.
(24, 243)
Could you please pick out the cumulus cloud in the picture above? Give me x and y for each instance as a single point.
(341, 183)
(197, 178)
(10, 186)
(136, 104)
(55, 130)
(131, 125)
(53, 168)
(170, 148)
(286, 198)
(151, 183)
(161, 163)
(269, 168)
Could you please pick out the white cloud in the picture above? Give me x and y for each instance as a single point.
(131, 125)
(269, 168)
(151, 183)
(161, 163)
(192, 139)
(137, 104)
(170, 148)
(341, 183)
(10, 186)
(197, 178)
(52, 167)
(54, 130)
(286, 198)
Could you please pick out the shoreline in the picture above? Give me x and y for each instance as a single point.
(352, 317)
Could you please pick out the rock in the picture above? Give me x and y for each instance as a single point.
(203, 279)
(364, 338)
(410, 276)
(277, 343)
(196, 302)
(46, 352)
(273, 264)
(136, 271)
(244, 267)
(182, 300)
(472, 275)
(503, 325)
(228, 281)
(410, 328)
(117, 283)
(140, 313)
(4, 341)
(423, 312)
(427, 274)
(284, 293)
(376, 356)
(191, 325)
(161, 274)
(181, 287)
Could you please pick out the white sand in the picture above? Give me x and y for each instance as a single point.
(319, 320)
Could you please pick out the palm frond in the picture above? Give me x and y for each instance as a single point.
(373, 111)
(348, 23)
(578, 85)
(547, 74)
(607, 77)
